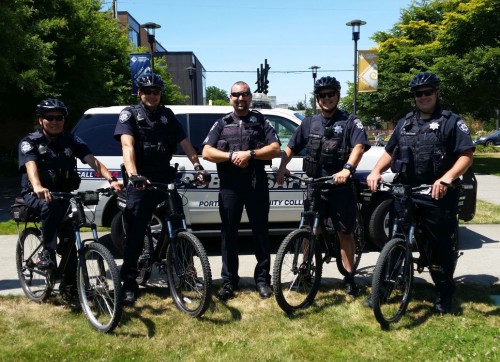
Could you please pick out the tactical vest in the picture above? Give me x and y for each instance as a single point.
(156, 143)
(421, 156)
(327, 147)
(56, 169)
(243, 136)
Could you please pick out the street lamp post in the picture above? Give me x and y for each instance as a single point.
(150, 28)
(314, 70)
(191, 73)
(355, 24)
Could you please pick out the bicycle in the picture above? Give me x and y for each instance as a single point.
(299, 261)
(392, 281)
(98, 280)
(174, 251)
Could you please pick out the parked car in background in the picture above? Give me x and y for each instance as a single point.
(491, 139)
(97, 125)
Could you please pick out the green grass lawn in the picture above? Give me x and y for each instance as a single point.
(250, 329)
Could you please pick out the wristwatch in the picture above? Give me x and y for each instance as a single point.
(350, 167)
(252, 153)
(112, 179)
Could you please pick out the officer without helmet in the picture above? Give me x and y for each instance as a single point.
(335, 142)
(429, 146)
(241, 143)
(47, 161)
(149, 134)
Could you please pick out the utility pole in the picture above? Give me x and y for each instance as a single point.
(114, 9)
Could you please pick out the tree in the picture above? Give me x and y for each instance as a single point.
(458, 40)
(217, 96)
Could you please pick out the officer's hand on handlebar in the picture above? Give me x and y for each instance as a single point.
(138, 181)
(280, 174)
(341, 177)
(372, 180)
(202, 176)
(43, 193)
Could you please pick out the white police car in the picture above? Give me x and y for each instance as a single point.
(97, 125)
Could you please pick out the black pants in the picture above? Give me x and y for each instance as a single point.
(439, 224)
(256, 203)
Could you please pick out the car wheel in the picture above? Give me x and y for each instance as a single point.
(378, 223)
(489, 143)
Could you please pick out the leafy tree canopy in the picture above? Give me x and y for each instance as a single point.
(457, 39)
(217, 95)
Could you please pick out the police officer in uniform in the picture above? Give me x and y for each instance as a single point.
(431, 146)
(335, 142)
(149, 134)
(241, 144)
(47, 162)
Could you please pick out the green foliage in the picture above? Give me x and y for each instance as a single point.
(458, 40)
(217, 96)
(67, 49)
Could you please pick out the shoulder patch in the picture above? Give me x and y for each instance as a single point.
(124, 116)
(358, 123)
(463, 127)
(26, 147)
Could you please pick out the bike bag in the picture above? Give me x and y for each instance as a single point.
(21, 212)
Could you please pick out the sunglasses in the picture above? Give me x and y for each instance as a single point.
(151, 91)
(327, 95)
(427, 92)
(58, 118)
(240, 94)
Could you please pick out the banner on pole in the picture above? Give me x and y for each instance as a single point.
(367, 71)
(139, 64)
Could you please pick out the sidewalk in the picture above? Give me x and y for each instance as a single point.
(479, 264)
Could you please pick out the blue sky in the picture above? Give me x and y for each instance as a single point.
(232, 38)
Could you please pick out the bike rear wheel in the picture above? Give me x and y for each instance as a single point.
(296, 282)
(392, 282)
(35, 282)
(359, 246)
(189, 274)
(101, 301)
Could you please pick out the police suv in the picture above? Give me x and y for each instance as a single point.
(96, 128)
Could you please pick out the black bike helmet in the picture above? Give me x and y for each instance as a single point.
(424, 78)
(51, 104)
(150, 80)
(326, 83)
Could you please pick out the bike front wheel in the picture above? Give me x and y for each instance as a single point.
(392, 282)
(35, 282)
(99, 294)
(189, 274)
(297, 275)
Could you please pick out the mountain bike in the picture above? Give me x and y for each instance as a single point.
(175, 252)
(98, 282)
(392, 281)
(299, 261)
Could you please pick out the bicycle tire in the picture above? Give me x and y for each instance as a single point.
(35, 283)
(189, 275)
(101, 302)
(296, 285)
(359, 246)
(392, 282)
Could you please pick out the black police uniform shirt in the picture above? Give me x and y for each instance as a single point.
(35, 143)
(456, 135)
(127, 125)
(300, 137)
(237, 176)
